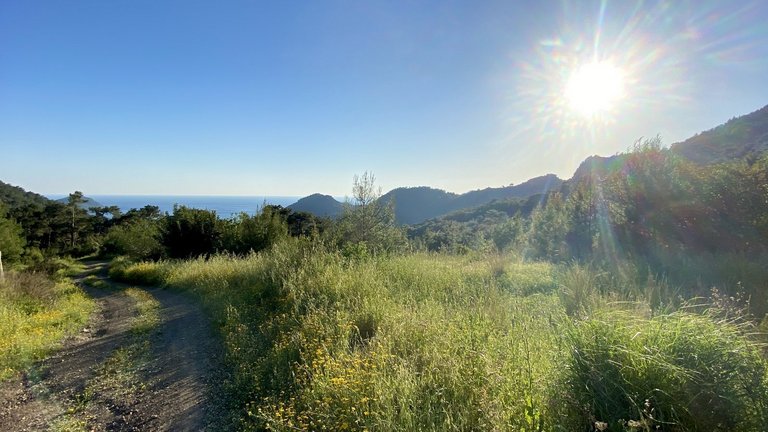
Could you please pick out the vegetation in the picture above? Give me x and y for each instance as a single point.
(582, 311)
(36, 313)
(632, 298)
(417, 342)
(740, 138)
(679, 371)
(436, 342)
(367, 224)
(11, 239)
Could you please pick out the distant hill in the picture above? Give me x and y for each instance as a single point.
(85, 205)
(737, 138)
(14, 196)
(318, 205)
(598, 166)
(416, 204)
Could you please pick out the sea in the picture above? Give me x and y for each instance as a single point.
(224, 206)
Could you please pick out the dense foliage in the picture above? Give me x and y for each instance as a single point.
(649, 207)
(33, 228)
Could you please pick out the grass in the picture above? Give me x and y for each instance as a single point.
(438, 342)
(95, 282)
(421, 342)
(677, 372)
(36, 313)
(147, 311)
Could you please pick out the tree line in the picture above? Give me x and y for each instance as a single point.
(652, 205)
(32, 230)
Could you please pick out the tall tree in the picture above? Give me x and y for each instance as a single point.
(73, 203)
(11, 238)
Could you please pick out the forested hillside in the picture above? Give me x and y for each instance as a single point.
(14, 196)
(739, 138)
(319, 205)
(417, 204)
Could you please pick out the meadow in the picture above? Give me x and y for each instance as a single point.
(316, 340)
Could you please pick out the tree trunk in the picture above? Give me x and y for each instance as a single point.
(72, 234)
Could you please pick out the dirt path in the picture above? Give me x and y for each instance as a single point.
(113, 377)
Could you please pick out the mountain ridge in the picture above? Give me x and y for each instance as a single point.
(739, 137)
(415, 205)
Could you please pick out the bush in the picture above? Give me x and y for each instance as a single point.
(245, 233)
(138, 239)
(192, 232)
(143, 273)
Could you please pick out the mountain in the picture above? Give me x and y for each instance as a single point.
(416, 204)
(534, 186)
(318, 205)
(598, 166)
(14, 196)
(85, 205)
(738, 138)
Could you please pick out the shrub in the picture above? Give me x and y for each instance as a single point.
(143, 273)
(245, 233)
(138, 239)
(579, 290)
(192, 232)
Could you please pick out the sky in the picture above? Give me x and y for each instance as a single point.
(296, 97)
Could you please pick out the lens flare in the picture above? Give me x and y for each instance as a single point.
(594, 88)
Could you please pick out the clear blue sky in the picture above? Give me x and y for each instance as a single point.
(295, 97)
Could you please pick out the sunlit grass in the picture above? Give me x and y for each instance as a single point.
(35, 315)
(147, 308)
(440, 342)
(417, 342)
(95, 281)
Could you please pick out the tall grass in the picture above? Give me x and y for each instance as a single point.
(674, 372)
(316, 341)
(36, 313)
(419, 342)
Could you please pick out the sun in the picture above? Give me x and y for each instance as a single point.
(594, 88)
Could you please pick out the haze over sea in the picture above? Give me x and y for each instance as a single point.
(224, 206)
